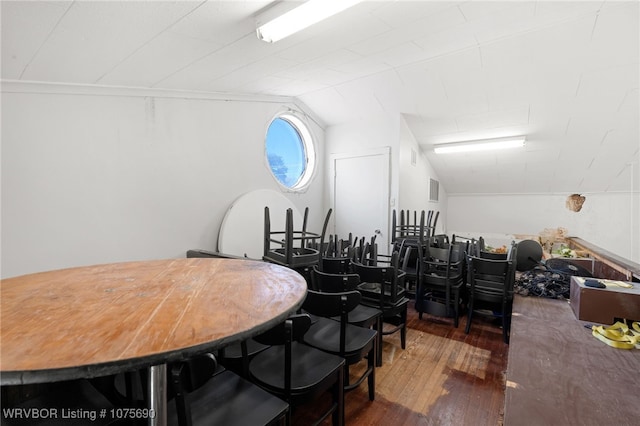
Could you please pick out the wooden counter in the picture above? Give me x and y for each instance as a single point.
(607, 264)
(559, 374)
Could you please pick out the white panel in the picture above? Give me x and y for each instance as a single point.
(410, 29)
(219, 63)
(93, 37)
(403, 13)
(25, 28)
(403, 54)
(332, 60)
(164, 55)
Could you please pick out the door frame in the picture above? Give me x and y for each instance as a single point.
(384, 151)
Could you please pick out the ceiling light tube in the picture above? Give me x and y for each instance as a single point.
(480, 145)
(303, 16)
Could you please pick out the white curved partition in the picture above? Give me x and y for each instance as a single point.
(242, 229)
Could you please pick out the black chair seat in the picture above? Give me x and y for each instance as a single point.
(325, 335)
(372, 291)
(229, 400)
(232, 358)
(308, 371)
(363, 316)
(296, 372)
(395, 314)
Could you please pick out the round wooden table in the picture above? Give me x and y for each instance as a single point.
(104, 319)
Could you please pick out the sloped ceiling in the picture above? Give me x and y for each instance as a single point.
(565, 74)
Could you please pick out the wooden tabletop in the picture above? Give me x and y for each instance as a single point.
(103, 319)
(559, 374)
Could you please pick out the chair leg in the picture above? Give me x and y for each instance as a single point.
(468, 327)
(346, 375)
(403, 330)
(506, 322)
(371, 362)
(338, 397)
(505, 336)
(379, 325)
(456, 309)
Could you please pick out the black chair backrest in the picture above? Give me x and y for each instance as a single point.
(186, 377)
(493, 255)
(331, 304)
(292, 329)
(490, 275)
(196, 371)
(375, 273)
(286, 333)
(440, 240)
(445, 261)
(388, 276)
(333, 282)
(335, 265)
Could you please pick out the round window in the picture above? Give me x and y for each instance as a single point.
(289, 151)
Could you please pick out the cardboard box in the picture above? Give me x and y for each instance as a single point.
(619, 300)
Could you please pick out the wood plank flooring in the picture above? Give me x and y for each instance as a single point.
(443, 377)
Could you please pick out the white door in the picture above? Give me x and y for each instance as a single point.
(360, 195)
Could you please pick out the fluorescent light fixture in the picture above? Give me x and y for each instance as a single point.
(480, 145)
(303, 16)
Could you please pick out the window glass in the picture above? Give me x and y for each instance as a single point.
(289, 151)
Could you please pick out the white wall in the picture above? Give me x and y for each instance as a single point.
(409, 184)
(103, 176)
(414, 180)
(609, 220)
(361, 135)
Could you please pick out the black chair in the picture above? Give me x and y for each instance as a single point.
(294, 249)
(361, 315)
(382, 287)
(440, 240)
(296, 372)
(335, 265)
(351, 342)
(206, 394)
(236, 357)
(440, 281)
(409, 260)
(490, 285)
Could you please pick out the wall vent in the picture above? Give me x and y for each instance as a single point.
(434, 187)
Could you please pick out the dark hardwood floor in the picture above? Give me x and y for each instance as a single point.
(443, 377)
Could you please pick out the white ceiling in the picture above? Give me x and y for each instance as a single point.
(566, 74)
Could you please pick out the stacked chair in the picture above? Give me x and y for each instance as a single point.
(382, 287)
(406, 235)
(362, 315)
(293, 249)
(339, 337)
(490, 285)
(441, 278)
